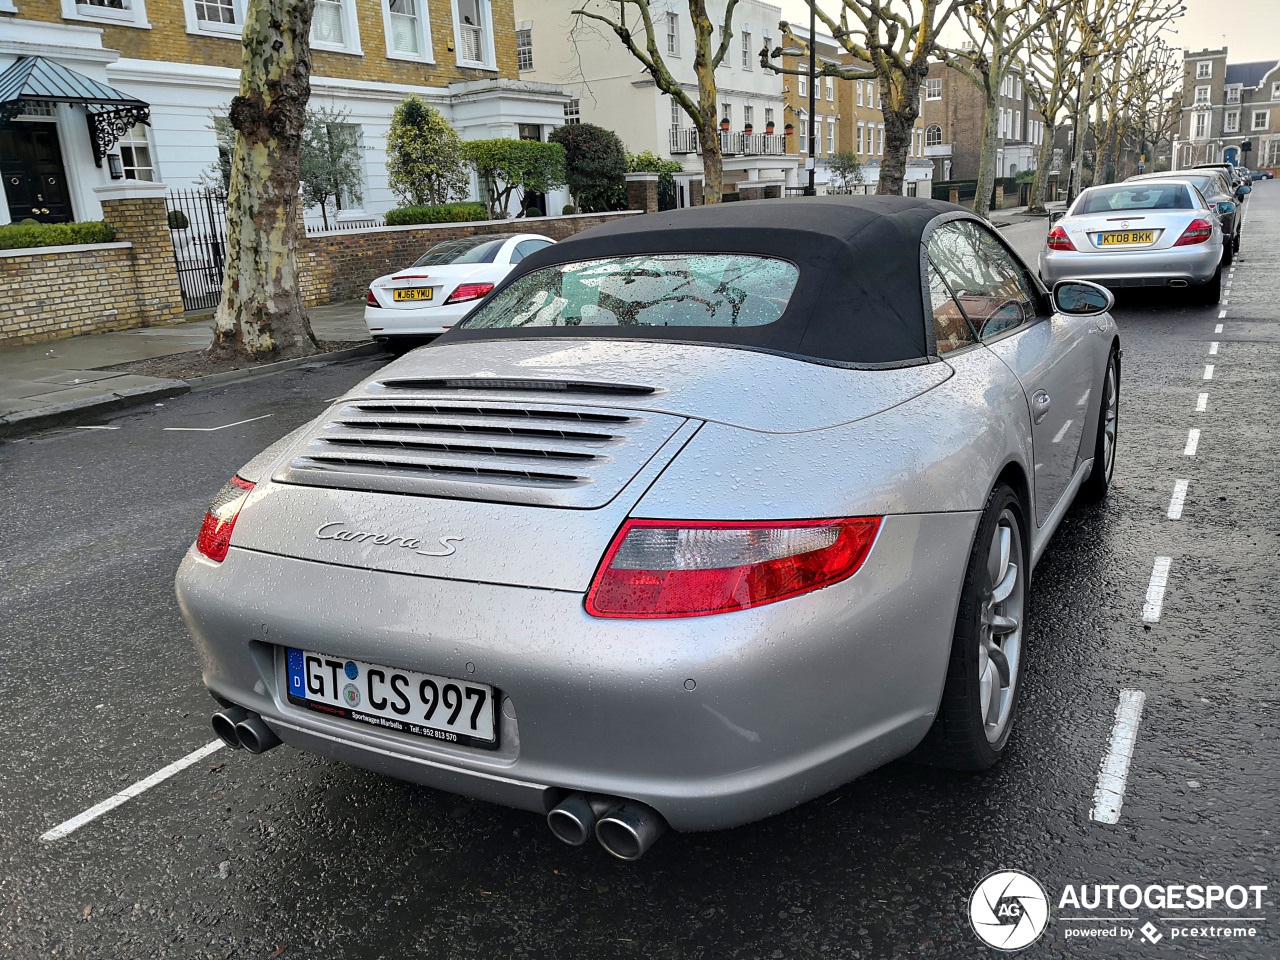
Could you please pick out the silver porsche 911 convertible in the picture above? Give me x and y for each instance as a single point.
(701, 514)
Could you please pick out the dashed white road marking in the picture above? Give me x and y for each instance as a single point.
(213, 429)
(1208, 371)
(128, 793)
(1113, 775)
(1063, 432)
(1193, 441)
(97, 428)
(1202, 403)
(1222, 314)
(1218, 328)
(1155, 590)
(1084, 398)
(1178, 498)
(1213, 347)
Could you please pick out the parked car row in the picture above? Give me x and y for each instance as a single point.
(1169, 230)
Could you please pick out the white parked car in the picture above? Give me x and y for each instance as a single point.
(443, 285)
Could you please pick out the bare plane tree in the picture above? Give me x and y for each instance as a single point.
(640, 37)
(261, 311)
(891, 41)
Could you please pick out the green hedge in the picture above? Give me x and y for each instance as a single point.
(16, 236)
(440, 213)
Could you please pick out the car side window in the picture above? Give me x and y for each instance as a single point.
(950, 326)
(991, 286)
(526, 247)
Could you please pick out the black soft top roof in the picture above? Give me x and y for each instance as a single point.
(858, 298)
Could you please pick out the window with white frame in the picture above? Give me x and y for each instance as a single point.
(135, 154)
(748, 115)
(342, 136)
(768, 40)
(572, 114)
(677, 115)
(1275, 90)
(673, 35)
(831, 135)
(880, 139)
(1201, 125)
(1204, 69)
(38, 108)
(804, 136)
(768, 117)
(1233, 94)
(933, 136)
(1261, 119)
(1231, 121)
(746, 50)
(933, 88)
(408, 31)
(804, 85)
(727, 113)
(859, 88)
(218, 14)
(333, 26)
(524, 49)
(1202, 95)
(1017, 124)
(473, 21)
(831, 88)
(862, 137)
(130, 13)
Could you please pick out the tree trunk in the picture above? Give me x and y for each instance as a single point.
(1041, 181)
(261, 312)
(900, 110)
(987, 161)
(708, 125)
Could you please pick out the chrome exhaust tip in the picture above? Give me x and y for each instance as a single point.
(255, 736)
(224, 725)
(630, 830)
(573, 819)
(1179, 284)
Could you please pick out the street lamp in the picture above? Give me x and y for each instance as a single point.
(811, 163)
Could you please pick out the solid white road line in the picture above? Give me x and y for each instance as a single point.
(1176, 501)
(1155, 590)
(1193, 441)
(1113, 775)
(1208, 371)
(1063, 432)
(128, 793)
(1202, 403)
(1218, 328)
(223, 427)
(1213, 347)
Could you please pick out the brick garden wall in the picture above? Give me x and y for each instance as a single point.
(339, 266)
(53, 292)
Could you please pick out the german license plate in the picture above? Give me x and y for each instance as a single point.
(456, 711)
(1120, 237)
(412, 293)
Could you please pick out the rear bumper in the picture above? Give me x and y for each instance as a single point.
(420, 321)
(789, 700)
(1146, 268)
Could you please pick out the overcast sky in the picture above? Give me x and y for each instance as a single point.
(1249, 28)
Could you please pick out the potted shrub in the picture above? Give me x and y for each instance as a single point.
(747, 129)
(768, 128)
(724, 125)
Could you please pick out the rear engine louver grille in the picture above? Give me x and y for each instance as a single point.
(519, 453)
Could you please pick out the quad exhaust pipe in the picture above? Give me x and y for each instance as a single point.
(239, 728)
(625, 828)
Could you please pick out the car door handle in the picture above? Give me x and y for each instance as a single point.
(1039, 406)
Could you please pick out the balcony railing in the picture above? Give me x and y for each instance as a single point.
(685, 140)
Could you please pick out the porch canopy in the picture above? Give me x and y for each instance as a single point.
(110, 113)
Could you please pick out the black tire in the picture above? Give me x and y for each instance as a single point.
(1098, 483)
(1235, 243)
(1228, 252)
(1209, 293)
(959, 737)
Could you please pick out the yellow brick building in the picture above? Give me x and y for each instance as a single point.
(98, 90)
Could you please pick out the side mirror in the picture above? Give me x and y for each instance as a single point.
(1246, 189)
(1056, 216)
(1225, 208)
(1081, 298)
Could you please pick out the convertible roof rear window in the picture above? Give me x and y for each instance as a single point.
(480, 249)
(659, 290)
(824, 279)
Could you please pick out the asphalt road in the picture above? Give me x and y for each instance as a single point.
(289, 855)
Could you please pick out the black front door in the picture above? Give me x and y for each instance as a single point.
(35, 181)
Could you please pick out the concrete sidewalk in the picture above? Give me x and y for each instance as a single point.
(41, 381)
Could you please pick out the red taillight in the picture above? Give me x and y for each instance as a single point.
(215, 532)
(372, 300)
(1058, 240)
(661, 568)
(469, 291)
(1198, 231)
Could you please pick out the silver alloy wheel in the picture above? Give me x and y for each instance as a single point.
(1000, 633)
(1110, 411)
